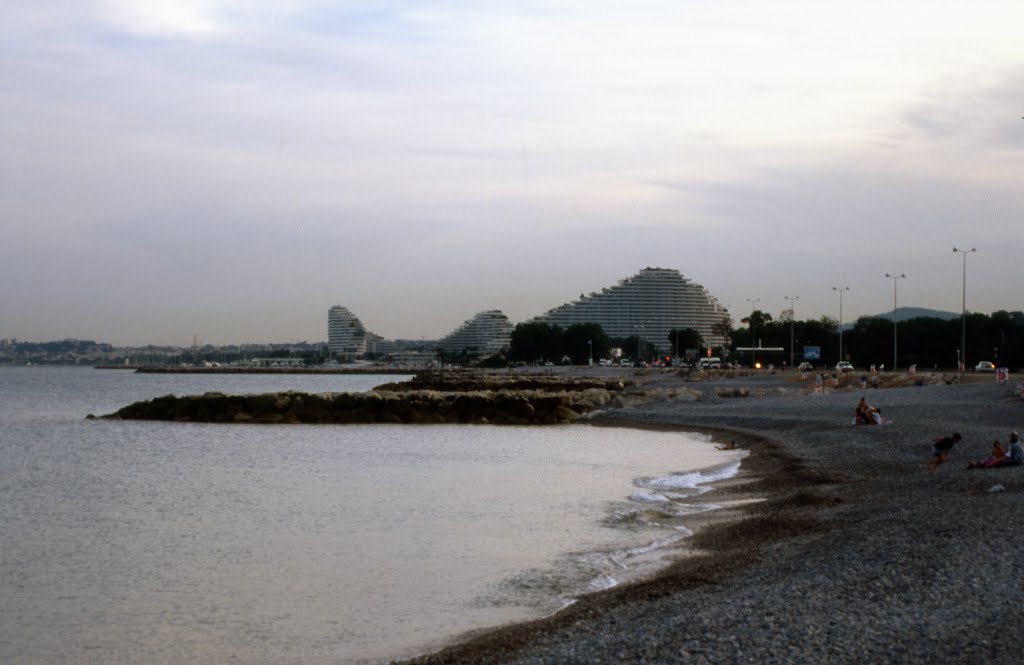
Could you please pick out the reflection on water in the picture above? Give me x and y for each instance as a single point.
(170, 543)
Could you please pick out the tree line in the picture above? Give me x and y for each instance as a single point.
(923, 341)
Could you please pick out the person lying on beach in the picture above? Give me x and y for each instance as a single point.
(729, 446)
(995, 459)
(941, 445)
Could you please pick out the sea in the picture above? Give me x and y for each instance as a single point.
(160, 542)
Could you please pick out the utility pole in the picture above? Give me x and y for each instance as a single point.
(962, 360)
(895, 278)
(840, 290)
(792, 317)
(753, 326)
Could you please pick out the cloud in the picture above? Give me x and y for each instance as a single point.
(420, 161)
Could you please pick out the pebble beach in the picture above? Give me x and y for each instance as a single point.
(854, 552)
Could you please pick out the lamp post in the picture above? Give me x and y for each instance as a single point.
(792, 317)
(590, 352)
(639, 335)
(962, 361)
(753, 327)
(840, 290)
(895, 279)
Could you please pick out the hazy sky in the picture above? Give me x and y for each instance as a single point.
(230, 169)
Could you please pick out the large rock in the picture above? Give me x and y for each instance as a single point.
(504, 407)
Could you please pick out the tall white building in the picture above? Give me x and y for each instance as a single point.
(345, 332)
(649, 305)
(485, 334)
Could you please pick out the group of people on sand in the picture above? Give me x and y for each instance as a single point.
(1013, 456)
(942, 445)
(865, 414)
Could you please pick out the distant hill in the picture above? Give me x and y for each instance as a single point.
(904, 313)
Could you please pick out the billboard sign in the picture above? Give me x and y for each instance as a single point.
(812, 353)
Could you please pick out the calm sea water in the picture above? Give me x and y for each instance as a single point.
(141, 542)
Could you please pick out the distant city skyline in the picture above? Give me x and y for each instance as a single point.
(903, 313)
(229, 170)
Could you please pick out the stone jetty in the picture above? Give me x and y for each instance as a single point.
(528, 407)
(431, 397)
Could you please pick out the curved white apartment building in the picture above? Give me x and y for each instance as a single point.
(345, 332)
(649, 304)
(485, 334)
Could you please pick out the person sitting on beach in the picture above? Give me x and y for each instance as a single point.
(865, 414)
(941, 446)
(875, 414)
(1016, 452)
(729, 446)
(862, 414)
(995, 459)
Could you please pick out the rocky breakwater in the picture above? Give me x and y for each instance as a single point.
(499, 407)
(470, 380)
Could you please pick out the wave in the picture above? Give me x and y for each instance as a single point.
(691, 480)
(655, 513)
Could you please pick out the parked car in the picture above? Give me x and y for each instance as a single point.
(805, 367)
(844, 366)
(984, 366)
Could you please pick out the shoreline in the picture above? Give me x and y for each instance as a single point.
(702, 557)
(855, 547)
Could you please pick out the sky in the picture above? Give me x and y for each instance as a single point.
(226, 170)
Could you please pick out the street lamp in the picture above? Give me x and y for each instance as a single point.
(792, 317)
(639, 333)
(840, 290)
(590, 352)
(753, 326)
(963, 315)
(963, 355)
(895, 278)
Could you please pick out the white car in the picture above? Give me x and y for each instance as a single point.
(984, 366)
(844, 366)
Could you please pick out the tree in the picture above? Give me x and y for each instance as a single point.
(536, 341)
(723, 328)
(757, 317)
(871, 340)
(685, 338)
(756, 322)
(582, 341)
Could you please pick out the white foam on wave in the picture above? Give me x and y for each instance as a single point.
(657, 503)
(644, 496)
(603, 582)
(685, 509)
(692, 480)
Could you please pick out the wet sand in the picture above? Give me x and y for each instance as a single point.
(858, 553)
